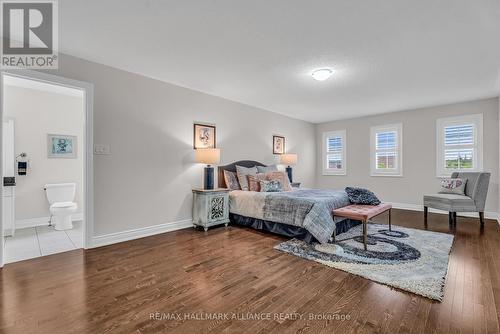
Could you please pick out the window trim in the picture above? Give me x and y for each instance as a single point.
(441, 123)
(343, 136)
(398, 172)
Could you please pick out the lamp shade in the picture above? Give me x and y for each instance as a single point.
(209, 156)
(288, 159)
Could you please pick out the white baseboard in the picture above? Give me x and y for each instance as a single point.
(42, 221)
(417, 207)
(113, 238)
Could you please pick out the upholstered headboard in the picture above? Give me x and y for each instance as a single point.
(232, 168)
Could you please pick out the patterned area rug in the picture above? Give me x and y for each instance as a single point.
(408, 259)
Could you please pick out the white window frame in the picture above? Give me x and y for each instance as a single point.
(342, 135)
(477, 120)
(398, 171)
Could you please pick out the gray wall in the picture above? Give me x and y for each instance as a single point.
(419, 152)
(147, 179)
(37, 113)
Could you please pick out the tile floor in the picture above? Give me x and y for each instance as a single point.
(38, 241)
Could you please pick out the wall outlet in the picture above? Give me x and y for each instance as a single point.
(102, 149)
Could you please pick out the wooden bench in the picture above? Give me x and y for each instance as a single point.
(363, 213)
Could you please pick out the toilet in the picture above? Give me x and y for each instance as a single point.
(61, 197)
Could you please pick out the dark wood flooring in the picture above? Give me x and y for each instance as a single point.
(116, 289)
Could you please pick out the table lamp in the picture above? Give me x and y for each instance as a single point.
(290, 160)
(209, 156)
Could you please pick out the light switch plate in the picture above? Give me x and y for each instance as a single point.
(102, 149)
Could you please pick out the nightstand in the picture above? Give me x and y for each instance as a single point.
(295, 184)
(210, 207)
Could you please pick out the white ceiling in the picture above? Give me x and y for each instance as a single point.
(388, 55)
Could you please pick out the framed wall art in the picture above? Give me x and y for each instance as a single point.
(278, 145)
(204, 136)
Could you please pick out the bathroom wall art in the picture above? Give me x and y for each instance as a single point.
(61, 146)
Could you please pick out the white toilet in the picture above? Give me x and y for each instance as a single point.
(61, 196)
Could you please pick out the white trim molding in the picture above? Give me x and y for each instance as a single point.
(419, 207)
(113, 238)
(374, 170)
(43, 221)
(477, 121)
(326, 136)
(88, 93)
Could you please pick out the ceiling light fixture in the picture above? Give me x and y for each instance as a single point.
(322, 74)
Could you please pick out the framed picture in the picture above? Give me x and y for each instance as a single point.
(61, 146)
(204, 136)
(278, 145)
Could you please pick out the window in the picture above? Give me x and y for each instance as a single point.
(459, 144)
(386, 150)
(334, 153)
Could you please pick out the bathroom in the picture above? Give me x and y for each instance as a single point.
(43, 168)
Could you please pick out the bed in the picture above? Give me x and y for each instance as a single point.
(302, 213)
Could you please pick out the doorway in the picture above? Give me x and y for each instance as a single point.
(47, 193)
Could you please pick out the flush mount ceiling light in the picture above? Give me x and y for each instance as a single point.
(322, 74)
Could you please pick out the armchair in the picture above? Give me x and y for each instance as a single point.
(474, 199)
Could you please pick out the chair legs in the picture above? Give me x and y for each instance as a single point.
(426, 212)
(452, 217)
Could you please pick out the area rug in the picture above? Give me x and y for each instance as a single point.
(404, 258)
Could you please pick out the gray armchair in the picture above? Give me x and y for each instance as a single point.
(474, 200)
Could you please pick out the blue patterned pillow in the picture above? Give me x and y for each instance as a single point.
(361, 196)
(271, 186)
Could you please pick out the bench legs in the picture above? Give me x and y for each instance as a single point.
(390, 214)
(365, 229)
(365, 232)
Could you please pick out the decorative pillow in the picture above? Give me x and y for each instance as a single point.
(267, 169)
(453, 186)
(242, 172)
(361, 196)
(231, 180)
(270, 186)
(282, 177)
(254, 181)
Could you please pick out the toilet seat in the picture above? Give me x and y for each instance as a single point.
(64, 205)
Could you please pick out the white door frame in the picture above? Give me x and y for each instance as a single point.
(88, 168)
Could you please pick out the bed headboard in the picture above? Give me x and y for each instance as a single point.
(232, 168)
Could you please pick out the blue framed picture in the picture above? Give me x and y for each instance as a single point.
(62, 146)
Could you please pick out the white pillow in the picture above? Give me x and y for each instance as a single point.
(265, 169)
(242, 172)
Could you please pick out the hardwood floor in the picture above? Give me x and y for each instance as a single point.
(118, 288)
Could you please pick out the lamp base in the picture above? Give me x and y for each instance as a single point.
(289, 172)
(208, 178)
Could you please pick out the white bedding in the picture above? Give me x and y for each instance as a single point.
(247, 203)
